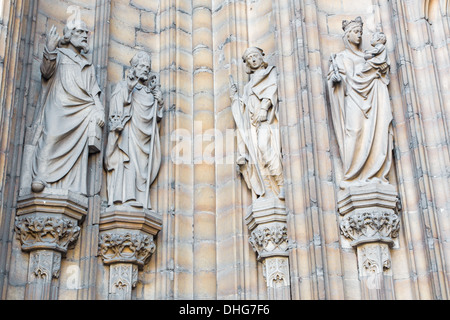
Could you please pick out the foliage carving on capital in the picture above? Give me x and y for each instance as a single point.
(369, 225)
(270, 239)
(46, 232)
(128, 247)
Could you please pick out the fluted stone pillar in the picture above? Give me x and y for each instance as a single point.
(46, 225)
(267, 223)
(126, 244)
(371, 224)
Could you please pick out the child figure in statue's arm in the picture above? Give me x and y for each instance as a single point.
(377, 57)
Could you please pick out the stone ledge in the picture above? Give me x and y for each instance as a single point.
(131, 218)
(365, 197)
(264, 211)
(50, 220)
(70, 204)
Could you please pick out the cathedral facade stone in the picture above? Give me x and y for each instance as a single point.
(218, 149)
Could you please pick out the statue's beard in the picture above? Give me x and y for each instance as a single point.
(143, 77)
(85, 48)
(82, 46)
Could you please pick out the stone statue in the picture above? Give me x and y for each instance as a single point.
(133, 152)
(70, 104)
(360, 107)
(256, 117)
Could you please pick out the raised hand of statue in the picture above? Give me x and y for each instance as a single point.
(132, 81)
(52, 39)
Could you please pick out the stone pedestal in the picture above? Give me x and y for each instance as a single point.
(267, 224)
(46, 225)
(371, 224)
(126, 244)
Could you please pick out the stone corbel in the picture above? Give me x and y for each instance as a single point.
(126, 244)
(371, 224)
(267, 223)
(47, 225)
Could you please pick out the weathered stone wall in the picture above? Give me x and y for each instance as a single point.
(203, 250)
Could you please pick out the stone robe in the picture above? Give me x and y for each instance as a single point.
(362, 118)
(128, 150)
(68, 104)
(259, 142)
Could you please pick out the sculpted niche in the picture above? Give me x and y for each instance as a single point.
(133, 152)
(256, 116)
(360, 107)
(70, 101)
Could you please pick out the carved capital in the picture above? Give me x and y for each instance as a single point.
(127, 235)
(370, 226)
(266, 221)
(270, 240)
(47, 225)
(371, 223)
(126, 247)
(46, 232)
(49, 221)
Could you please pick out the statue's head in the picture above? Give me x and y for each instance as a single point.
(353, 30)
(76, 33)
(141, 64)
(253, 58)
(378, 38)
